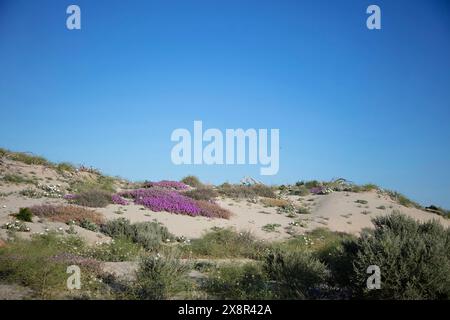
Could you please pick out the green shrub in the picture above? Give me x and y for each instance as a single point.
(118, 228)
(244, 191)
(239, 282)
(226, 243)
(149, 235)
(414, 259)
(192, 181)
(24, 214)
(202, 193)
(120, 249)
(17, 179)
(88, 225)
(403, 200)
(41, 263)
(93, 199)
(28, 158)
(100, 183)
(161, 277)
(65, 166)
(296, 274)
(312, 184)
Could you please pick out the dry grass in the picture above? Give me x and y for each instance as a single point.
(213, 210)
(62, 213)
(270, 202)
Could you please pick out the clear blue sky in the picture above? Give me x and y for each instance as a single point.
(370, 106)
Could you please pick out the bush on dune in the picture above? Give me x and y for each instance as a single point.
(192, 181)
(160, 277)
(414, 259)
(226, 243)
(63, 213)
(150, 235)
(202, 193)
(244, 191)
(240, 282)
(93, 199)
(297, 275)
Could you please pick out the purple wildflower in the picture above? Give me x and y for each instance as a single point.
(117, 199)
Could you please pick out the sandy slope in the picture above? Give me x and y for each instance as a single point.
(337, 211)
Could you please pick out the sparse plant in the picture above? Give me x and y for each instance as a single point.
(24, 214)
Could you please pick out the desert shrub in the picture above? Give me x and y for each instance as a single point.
(24, 214)
(40, 264)
(161, 277)
(244, 191)
(212, 210)
(149, 235)
(296, 275)
(271, 227)
(203, 193)
(93, 198)
(362, 201)
(17, 179)
(66, 214)
(226, 243)
(414, 259)
(192, 181)
(312, 184)
(99, 183)
(28, 158)
(65, 167)
(271, 202)
(118, 228)
(402, 199)
(88, 225)
(239, 282)
(167, 184)
(299, 191)
(119, 249)
(438, 210)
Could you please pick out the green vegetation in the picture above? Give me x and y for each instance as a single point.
(225, 243)
(414, 259)
(243, 191)
(65, 167)
(202, 193)
(93, 198)
(192, 181)
(18, 179)
(99, 183)
(403, 200)
(40, 264)
(161, 277)
(239, 282)
(24, 214)
(150, 235)
(271, 227)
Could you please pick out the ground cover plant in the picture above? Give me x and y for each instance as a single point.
(161, 199)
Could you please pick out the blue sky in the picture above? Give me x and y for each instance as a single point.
(370, 106)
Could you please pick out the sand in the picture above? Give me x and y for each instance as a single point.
(337, 211)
